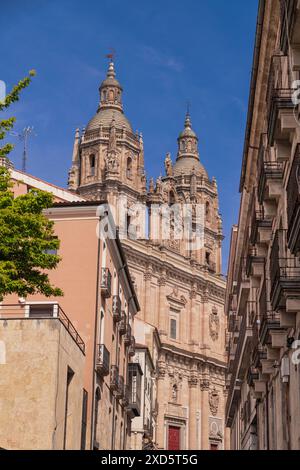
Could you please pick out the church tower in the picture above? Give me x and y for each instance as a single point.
(187, 183)
(108, 158)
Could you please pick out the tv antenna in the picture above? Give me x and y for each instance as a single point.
(23, 137)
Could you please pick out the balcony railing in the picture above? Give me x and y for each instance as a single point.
(116, 308)
(51, 311)
(131, 349)
(284, 273)
(253, 259)
(123, 324)
(102, 360)
(243, 281)
(253, 374)
(127, 336)
(279, 93)
(293, 205)
(259, 221)
(105, 283)
(268, 171)
(120, 387)
(114, 378)
(270, 321)
(258, 355)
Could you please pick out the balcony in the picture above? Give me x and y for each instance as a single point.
(284, 276)
(270, 321)
(232, 322)
(125, 397)
(259, 354)
(280, 107)
(102, 360)
(269, 174)
(127, 336)
(134, 389)
(114, 378)
(243, 284)
(105, 283)
(293, 206)
(253, 374)
(255, 264)
(131, 349)
(120, 388)
(116, 308)
(123, 324)
(261, 227)
(44, 311)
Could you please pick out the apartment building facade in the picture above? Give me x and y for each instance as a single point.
(100, 299)
(263, 290)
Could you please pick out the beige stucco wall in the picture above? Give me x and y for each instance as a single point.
(33, 385)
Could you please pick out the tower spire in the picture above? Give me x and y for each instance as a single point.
(110, 89)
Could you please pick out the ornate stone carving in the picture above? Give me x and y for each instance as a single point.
(193, 380)
(214, 399)
(214, 324)
(204, 385)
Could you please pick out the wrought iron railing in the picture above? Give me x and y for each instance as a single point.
(102, 359)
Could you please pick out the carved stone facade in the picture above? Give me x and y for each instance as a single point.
(180, 289)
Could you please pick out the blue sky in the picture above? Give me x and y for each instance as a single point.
(168, 53)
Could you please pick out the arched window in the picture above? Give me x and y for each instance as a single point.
(207, 211)
(129, 168)
(111, 95)
(174, 393)
(104, 95)
(172, 200)
(92, 161)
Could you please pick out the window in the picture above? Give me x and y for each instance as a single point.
(129, 168)
(96, 416)
(207, 258)
(207, 211)
(84, 419)
(173, 328)
(70, 375)
(92, 160)
(42, 310)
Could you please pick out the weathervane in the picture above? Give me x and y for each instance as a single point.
(23, 137)
(111, 55)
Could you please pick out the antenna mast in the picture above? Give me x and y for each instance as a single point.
(23, 137)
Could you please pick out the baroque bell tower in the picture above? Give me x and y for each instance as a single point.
(108, 157)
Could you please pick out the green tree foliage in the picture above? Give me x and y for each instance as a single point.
(27, 241)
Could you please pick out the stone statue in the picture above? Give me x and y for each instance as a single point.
(158, 184)
(169, 165)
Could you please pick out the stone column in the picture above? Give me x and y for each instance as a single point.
(163, 312)
(205, 414)
(162, 398)
(147, 297)
(193, 411)
(194, 321)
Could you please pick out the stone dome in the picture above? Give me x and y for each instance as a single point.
(188, 165)
(104, 118)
